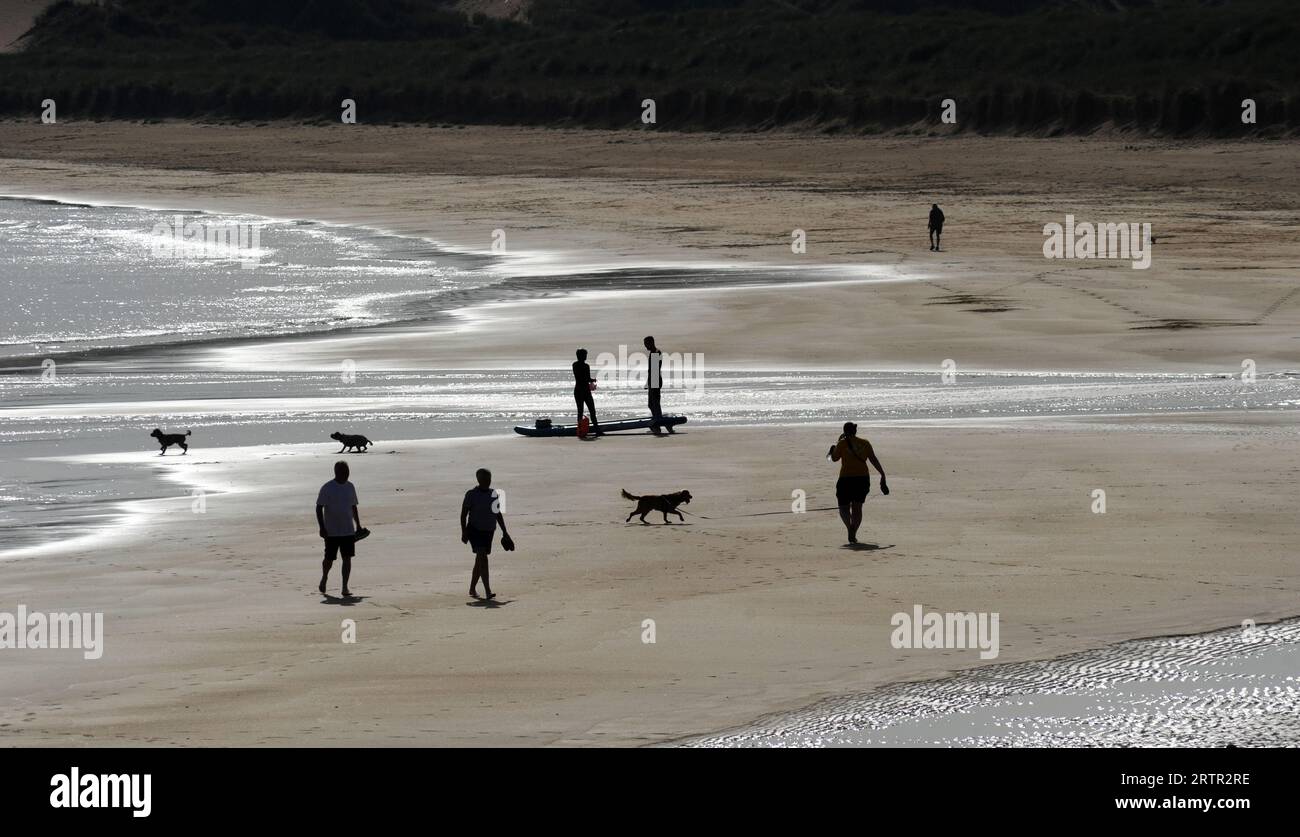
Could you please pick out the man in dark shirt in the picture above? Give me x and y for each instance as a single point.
(654, 383)
(936, 225)
(582, 384)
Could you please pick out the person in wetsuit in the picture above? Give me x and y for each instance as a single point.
(582, 382)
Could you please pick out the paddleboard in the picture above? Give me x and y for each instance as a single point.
(603, 427)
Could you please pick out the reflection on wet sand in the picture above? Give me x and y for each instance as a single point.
(1237, 687)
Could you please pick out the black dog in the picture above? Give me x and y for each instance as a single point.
(169, 439)
(666, 504)
(359, 443)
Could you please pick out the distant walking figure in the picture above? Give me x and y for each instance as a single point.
(340, 523)
(582, 386)
(936, 225)
(654, 383)
(479, 516)
(854, 483)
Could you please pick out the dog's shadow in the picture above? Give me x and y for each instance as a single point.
(865, 547)
(343, 601)
(664, 523)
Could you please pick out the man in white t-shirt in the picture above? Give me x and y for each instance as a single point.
(336, 513)
(480, 514)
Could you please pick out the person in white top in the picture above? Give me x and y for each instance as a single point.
(480, 515)
(339, 521)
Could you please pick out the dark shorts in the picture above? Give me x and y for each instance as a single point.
(480, 541)
(347, 544)
(937, 229)
(852, 489)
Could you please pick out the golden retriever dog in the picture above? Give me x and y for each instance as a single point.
(665, 504)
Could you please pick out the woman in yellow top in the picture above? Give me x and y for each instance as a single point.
(854, 484)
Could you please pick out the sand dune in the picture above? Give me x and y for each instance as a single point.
(16, 17)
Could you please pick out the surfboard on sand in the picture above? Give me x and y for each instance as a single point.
(603, 427)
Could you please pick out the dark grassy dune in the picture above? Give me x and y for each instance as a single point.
(1179, 67)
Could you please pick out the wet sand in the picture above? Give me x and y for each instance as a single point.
(1221, 287)
(1234, 687)
(49, 495)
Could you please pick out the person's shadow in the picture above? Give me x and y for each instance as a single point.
(489, 603)
(865, 547)
(345, 601)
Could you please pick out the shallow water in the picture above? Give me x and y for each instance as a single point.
(81, 280)
(290, 407)
(83, 412)
(78, 278)
(1239, 686)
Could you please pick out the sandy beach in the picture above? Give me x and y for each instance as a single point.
(214, 631)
